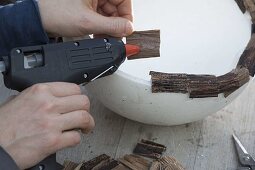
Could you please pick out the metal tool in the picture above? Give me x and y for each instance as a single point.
(75, 62)
(245, 159)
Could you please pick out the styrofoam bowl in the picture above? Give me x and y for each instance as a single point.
(197, 37)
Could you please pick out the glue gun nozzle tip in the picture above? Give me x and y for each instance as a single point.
(132, 50)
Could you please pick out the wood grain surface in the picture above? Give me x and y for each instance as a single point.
(206, 144)
(148, 41)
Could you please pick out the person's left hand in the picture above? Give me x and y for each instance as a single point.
(81, 17)
(42, 120)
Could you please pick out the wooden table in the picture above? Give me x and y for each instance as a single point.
(202, 145)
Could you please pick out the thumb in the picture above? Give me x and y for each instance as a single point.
(113, 26)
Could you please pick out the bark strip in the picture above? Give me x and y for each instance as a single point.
(143, 163)
(149, 149)
(247, 59)
(250, 6)
(166, 162)
(89, 165)
(199, 86)
(148, 41)
(240, 3)
(121, 167)
(108, 166)
(69, 165)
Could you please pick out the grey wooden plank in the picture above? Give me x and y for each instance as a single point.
(216, 141)
(181, 141)
(206, 144)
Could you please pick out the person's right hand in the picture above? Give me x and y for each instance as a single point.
(74, 18)
(41, 120)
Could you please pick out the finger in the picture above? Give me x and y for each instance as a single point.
(100, 11)
(76, 120)
(114, 26)
(124, 8)
(109, 8)
(102, 2)
(72, 103)
(115, 14)
(117, 2)
(60, 89)
(94, 5)
(69, 139)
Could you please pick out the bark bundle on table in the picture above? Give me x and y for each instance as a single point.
(166, 162)
(131, 161)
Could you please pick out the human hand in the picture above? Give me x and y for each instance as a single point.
(81, 17)
(40, 121)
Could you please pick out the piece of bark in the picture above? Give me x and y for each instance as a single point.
(153, 143)
(128, 164)
(101, 164)
(172, 83)
(167, 163)
(240, 3)
(121, 167)
(78, 167)
(247, 59)
(149, 149)
(155, 165)
(138, 161)
(233, 80)
(109, 166)
(89, 165)
(148, 41)
(199, 86)
(250, 6)
(69, 165)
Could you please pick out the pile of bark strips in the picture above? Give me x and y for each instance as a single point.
(147, 155)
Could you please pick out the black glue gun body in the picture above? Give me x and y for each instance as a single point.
(76, 62)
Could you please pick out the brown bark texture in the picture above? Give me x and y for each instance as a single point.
(148, 41)
(131, 161)
(166, 162)
(89, 165)
(250, 6)
(240, 3)
(149, 149)
(69, 165)
(247, 59)
(199, 86)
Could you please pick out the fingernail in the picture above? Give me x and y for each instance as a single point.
(129, 28)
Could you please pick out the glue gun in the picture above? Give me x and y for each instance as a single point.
(76, 62)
